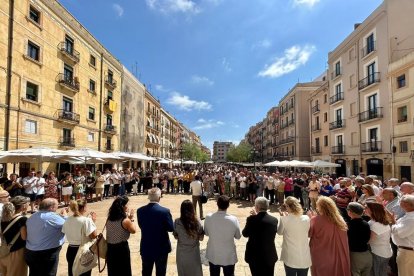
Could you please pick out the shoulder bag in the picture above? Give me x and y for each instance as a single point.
(100, 248)
(85, 259)
(4, 247)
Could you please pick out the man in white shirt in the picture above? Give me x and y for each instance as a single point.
(107, 183)
(402, 233)
(30, 190)
(196, 191)
(40, 186)
(222, 229)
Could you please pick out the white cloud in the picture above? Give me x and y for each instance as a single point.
(309, 3)
(201, 80)
(118, 9)
(161, 88)
(265, 43)
(293, 58)
(226, 65)
(208, 124)
(174, 6)
(184, 102)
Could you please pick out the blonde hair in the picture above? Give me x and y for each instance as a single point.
(76, 206)
(327, 207)
(8, 211)
(294, 205)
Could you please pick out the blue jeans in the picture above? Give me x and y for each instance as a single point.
(228, 270)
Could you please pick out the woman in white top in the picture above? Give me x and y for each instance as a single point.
(294, 226)
(78, 228)
(380, 225)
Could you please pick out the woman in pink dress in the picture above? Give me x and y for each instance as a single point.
(328, 240)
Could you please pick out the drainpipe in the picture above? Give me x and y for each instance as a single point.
(100, 105)
(9, 76)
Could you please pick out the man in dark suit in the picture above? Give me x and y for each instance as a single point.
(261, 230)
(155, 222)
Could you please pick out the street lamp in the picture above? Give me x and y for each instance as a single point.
(181, 151)
(253, 152)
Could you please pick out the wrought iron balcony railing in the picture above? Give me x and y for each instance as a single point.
(369, 80)
(370, 114)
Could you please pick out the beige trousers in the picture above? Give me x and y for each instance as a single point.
(405, 262)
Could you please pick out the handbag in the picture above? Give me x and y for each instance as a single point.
(5, 247)
(100, 248)
(85, 259)
(203, 197)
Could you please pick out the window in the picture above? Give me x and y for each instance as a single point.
(401, 81)
(338, 89)
(30, 127)
(34, 14)
(69, 44)
(67, 135)
(337, 68)
(371, 73)
(92, 60)
(109, 120)
(92, 86)
(351, 55)
(403, 146)
(402, 114)
(352, 108)
(67, 104)
(91, 114)
(352, 81)
(32, 91)
(325, 98)
(110, 76)
(110, 95)
(91, 137)
(370, 44)
(68, 73)
(325, 140)
(325, 117)
(33, 51)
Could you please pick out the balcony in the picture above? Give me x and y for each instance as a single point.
(315, 108)
(291, 122)
(68, 82)
(110, 129)
(374, 146)
(109, 147)
(336, 73)
(109, 81)
(338, 150)
(339, 96)
(316, 150)
(337, 124)
(68, 116)
(291, 105)
(67, 142)
(370, 80)
(289, 139)
(69, 52)
(370, 114)
(283, 125)
(369, 49)
(316, 127)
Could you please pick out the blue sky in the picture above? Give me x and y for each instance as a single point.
(219, 65)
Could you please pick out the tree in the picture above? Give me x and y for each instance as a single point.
(239, 153)
(193, 152)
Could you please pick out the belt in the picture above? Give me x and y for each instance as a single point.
(406, 248)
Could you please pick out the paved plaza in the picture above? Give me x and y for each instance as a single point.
(241, 209)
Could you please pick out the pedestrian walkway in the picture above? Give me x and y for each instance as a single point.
(240, 209)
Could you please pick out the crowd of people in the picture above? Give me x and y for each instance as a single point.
(357, 225)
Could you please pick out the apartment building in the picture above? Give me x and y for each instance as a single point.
(294, 122)
(401, 81)
(270, 135)
(168, 141)
(319, 123)
(61, 87)
(220, 150)
(360, 115)
(132, 113)
(152, 126)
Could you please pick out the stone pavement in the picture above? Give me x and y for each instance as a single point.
(241, 209)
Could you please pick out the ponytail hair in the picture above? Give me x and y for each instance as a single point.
(8, 211)
(77, 206)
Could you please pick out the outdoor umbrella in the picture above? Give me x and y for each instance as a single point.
(162, 161)
(324, 164)
(190, 162)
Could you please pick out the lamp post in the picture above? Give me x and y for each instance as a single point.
(253, 152)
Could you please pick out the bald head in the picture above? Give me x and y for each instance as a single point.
(48, 204)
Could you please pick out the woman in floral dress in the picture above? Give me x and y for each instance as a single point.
(51, 187)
